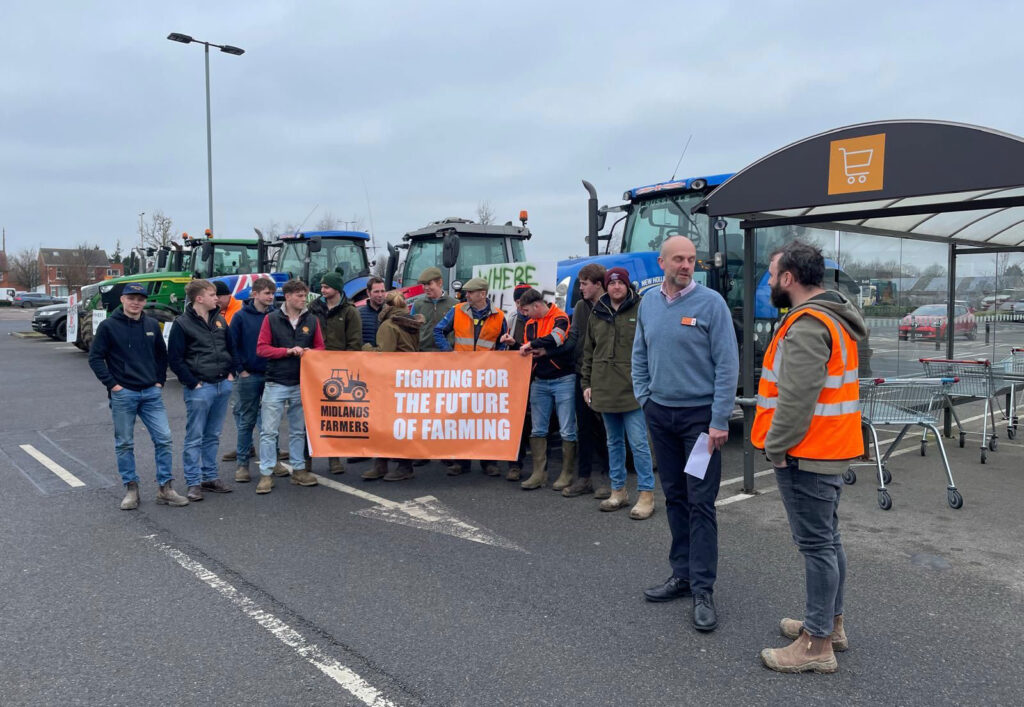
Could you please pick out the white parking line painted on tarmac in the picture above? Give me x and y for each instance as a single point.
(65, 475)
(347, 678)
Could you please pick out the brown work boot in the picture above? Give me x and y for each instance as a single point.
(168, 496)
(618, 499)
(216, 486)
(539, 453)
(565, 479)
(644, 507)
(803, 654)
(282, 455)
(195, 494)
(491, 469)
(131, 496)
(791, 628)
(377, 471)
(602, 487)
(265, 484)
(303, 478)
(335, 466)
(455, 468)
(280, 470)
(578, 487)
(514, 472)
(401, 472)
(230, 456)
(242, 475)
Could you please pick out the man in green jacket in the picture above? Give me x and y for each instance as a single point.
(342, 329)
(607, 382)
(433, 304)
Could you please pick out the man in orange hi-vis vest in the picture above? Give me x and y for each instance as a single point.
(808, 424)
(474, 325)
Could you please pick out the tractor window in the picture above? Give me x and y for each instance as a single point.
(651, 222)
(422, 255)
(475, 250)
(344, 256)
(518, 250)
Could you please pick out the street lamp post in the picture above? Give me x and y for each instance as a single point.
(227, 49)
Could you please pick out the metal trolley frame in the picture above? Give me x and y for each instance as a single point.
(1013, 371)
(978, 379)
(905, 402)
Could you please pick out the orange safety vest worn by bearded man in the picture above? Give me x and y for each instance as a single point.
(835, 430)
(464, 335)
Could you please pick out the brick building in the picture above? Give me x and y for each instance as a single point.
(65, 270)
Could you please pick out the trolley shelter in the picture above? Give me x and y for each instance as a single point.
(961, 186)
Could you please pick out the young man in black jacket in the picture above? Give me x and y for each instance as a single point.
(202, 355)
(129, 357)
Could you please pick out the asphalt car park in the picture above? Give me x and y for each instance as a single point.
(326, 595)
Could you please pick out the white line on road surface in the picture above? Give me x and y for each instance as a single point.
(365, 495)
(311, 653)
(53, 466)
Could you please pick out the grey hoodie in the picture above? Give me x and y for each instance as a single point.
(802, 376)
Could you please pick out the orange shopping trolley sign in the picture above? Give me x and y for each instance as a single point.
(856, 164)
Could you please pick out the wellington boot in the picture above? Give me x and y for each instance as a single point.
(618, 499)
(539, 453)
(303, 478)
(168, 496)
(578, 487)
(568, 474)
(131, 496)
(804, 654)
(514, 472)
(791, 628)
(242, 475)
(644, 507)
(602, 486)
(266, 483)
(335, 466)
(377, 471)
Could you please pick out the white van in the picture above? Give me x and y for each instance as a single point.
(7, 294)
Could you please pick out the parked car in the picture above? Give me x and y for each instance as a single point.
(52, 320)
(929, 322)
(33, 299)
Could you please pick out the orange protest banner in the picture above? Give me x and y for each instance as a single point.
(415, 405)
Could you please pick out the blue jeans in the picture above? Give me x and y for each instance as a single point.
(148, 406)
(559, 393)
(247, 412)
(689, 501)
(619, 425)
(205, 408)
(812, 505)
(275, 398)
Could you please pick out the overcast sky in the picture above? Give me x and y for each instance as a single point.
(400, 113)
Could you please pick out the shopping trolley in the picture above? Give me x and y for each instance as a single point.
(857, 164)
(979, 379)
(905, 402)
(1013, 373)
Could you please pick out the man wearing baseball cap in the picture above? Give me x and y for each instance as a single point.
(474, 325)
(129, 357)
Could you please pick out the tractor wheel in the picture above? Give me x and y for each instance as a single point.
(358, 393)
(332, 389)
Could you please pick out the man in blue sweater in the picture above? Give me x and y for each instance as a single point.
(369, 311)
(129, 357)
(685, 367)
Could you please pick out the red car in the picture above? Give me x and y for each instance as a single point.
(929, 322)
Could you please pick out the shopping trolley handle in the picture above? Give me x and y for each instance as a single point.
(983, 361)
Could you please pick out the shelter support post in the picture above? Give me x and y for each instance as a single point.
(747, 371)
(947, 414)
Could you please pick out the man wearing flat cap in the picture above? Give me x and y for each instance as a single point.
(433, 304)
(473, 325)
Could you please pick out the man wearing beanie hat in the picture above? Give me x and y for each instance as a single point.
(228, 304)
(433, 305)
(342, 329)
(473, 325)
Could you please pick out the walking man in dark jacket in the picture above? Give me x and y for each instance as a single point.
(202, 355)
(245, 331)
(341, 326)
(129, 357)
(369, 311)
(286, 334)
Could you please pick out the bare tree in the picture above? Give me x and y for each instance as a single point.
(25, 269)
(327, 222)
(485, 213)
(80, 266)
(158, 232)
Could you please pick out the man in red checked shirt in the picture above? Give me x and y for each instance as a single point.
(287, 333)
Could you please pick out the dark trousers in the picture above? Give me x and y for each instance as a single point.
(689, 501)
(593, 443)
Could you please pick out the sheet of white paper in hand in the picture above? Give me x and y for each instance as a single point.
(697, 464)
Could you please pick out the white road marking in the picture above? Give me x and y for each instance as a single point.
(311, 653)
(65, 475)
(424, 513)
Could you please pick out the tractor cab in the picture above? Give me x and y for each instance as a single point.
(309, 255)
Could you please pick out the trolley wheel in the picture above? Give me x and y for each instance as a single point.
(954, 499)
(993, 444)
(963, 438)
(1010, 433)
(886, 476)
(884, 500)
(924, 448)
(850, 477)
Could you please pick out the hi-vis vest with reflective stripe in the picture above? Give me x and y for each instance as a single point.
(463, 326)
(834, 433)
